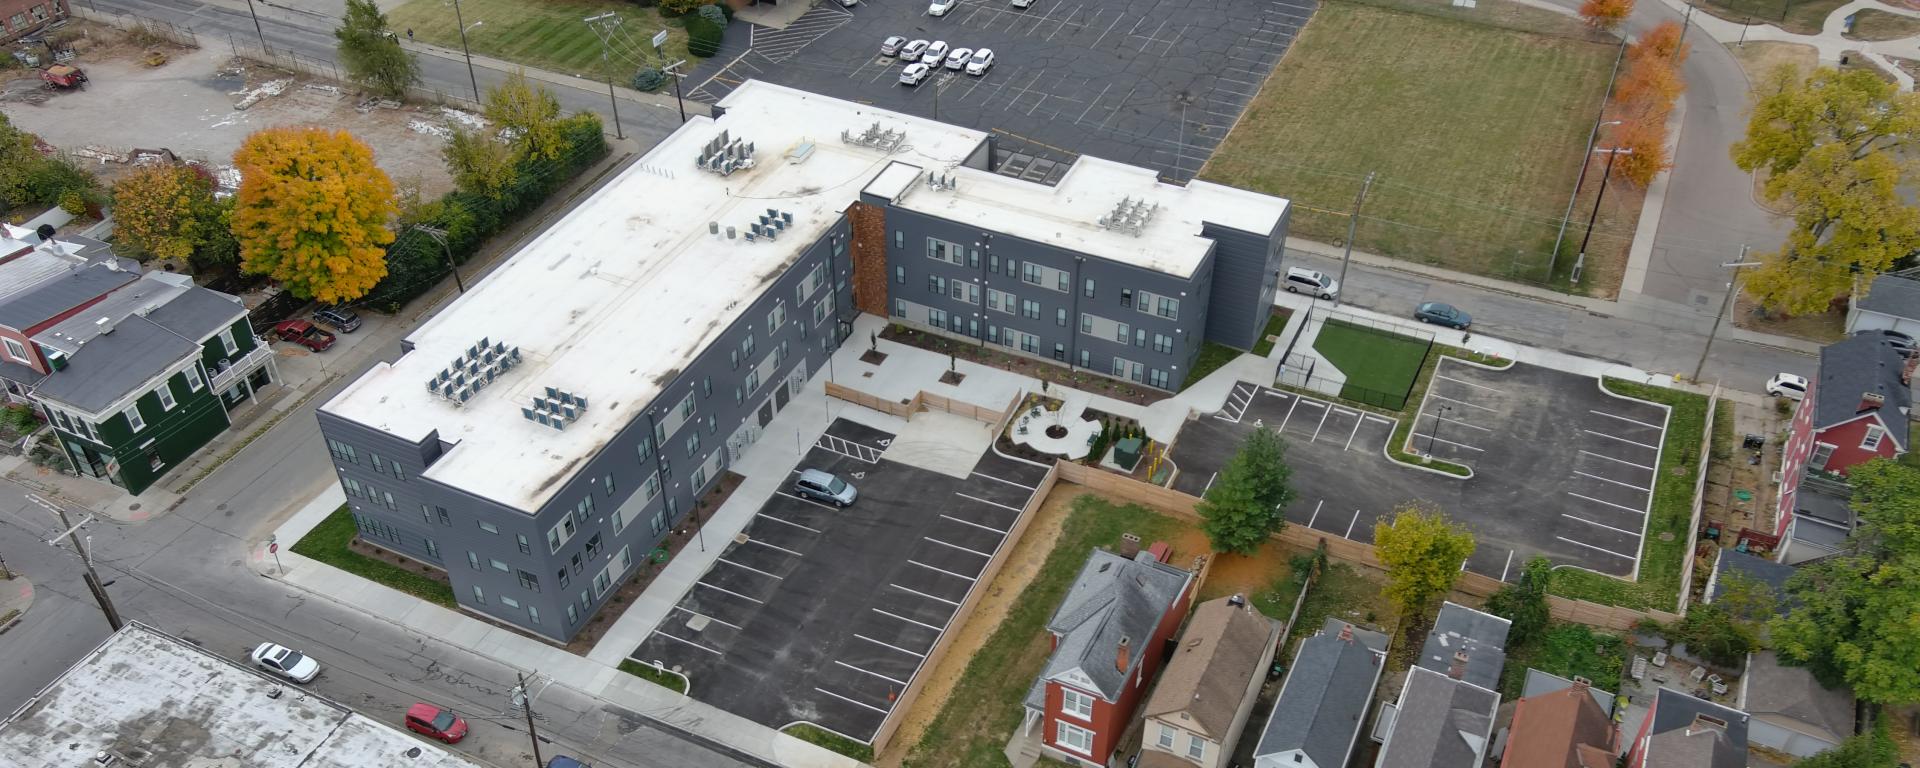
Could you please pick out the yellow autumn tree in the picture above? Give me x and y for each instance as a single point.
(312, 212)
(168, 211)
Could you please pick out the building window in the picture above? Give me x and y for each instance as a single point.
(1196, 748)
(1075, 703)
(937, 318)
(479, 595)
(194, 382)
(1124, 331)
(1158, 378)
(1060, 317)
(509, 602)
(753, 380)
(1139, 337)
(16, 350)
(133, 417)
(1872, 441)
(573, 615)
(900, 275)
(993, 263)
(699, 478)
(936, 285)
(526, 548)
(528, 581)
(973, 258)
(473, 560)
(444, 518)
(1165, 740)
(608, 481)
(1821, 453)
(693, 445)
(1162, 343)
(533, 615)
(1060, 352)
(942, 250)
(499, 566)
(1075, 738)
(166, 396)
(899, 239)
(1086, 358)
(1030, 309)
(1086, 323)
(342, 451)
(1169, 308)
(1087, 290)
(433, 549)
(489, 527)
(1126, 297)
(226, 341)
(777, 316)
(562, 576)
(686, 406)
(1031, 274)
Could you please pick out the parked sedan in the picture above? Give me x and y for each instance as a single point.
(1444, 314)
(915, 73)
(1787, 385)
(1023, 3)
(436, 722)
(286, 662)
(940, 7)
(913, 50)
(959, 58)
(342, 319)
(982, 61)
(936, 53)
(892, 45)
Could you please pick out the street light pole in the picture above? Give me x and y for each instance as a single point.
(1434, 433)
(256, 29)
(673, 71)
(468, 52)
(1581, 261)
(610, 19)
(1553, 257)
(94, 584)
(440, 236)
(1353, 224)
(1733, 283)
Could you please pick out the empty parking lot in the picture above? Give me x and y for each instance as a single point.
(1146, 82)
(822, 615)
(1561, 468)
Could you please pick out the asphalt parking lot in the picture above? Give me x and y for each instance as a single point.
(1148, 82)
(1562, 469)
(822, 615)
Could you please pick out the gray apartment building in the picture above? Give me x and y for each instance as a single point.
(540, 436)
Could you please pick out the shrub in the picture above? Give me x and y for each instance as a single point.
(673, 8)
(714, 14)
(649, 79)
(703, 36)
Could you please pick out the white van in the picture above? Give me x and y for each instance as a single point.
(1313, 282)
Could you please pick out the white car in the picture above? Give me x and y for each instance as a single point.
(940, 7)
(959, 58)
(935, 53)
(915, 73)
(286, 662)
(1787, 385)
(982, 60)
(1023, 3)
(892, 45)
(912, 52)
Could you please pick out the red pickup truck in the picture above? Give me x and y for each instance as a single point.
(304, 334)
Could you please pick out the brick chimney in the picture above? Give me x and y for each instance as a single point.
(1871, 401)
(1346, 633)
(1581, 684)
(1458, 670)
(1122, 658)
(1705, 723)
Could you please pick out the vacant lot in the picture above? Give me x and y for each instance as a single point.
(547, 35)
(1475, 133)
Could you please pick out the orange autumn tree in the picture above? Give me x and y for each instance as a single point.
(1643, 98)
(312, 212)
(1605, 14)
(1661, 42)
(1646, 157)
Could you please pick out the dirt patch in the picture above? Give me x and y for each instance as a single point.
(1760, 58)
(1021, 565)
(1823, 327)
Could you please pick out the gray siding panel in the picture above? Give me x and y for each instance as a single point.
(1246, 270)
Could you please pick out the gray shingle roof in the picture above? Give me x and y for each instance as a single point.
(1482, 636)
(1762, 570)
(1852, 367)
(1893, 295)
(1325, 696)
(113, 364)
(198, 313)
(1441, 723)
(1771, 689)
(151, 290)
(1112, 598)
(1676, 743)
(47, 300)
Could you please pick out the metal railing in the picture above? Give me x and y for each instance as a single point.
(247, 364)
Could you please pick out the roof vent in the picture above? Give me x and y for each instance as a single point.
(884, 140)
(725, 154)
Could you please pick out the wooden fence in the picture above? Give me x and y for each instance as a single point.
(922, 401)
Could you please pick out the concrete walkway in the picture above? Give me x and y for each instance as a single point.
(1831, 42)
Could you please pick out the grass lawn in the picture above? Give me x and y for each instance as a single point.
(1872, 24)
(1566, 650)
(832, 741)
(1475, 132)
(647, 672)
(1380, 366)
(327, 543)
(1665, 544)
(1276, 323)
(984, 708)
(545, 35)
(1802, 16)
(1212, 356)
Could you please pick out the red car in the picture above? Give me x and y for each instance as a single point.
(304, 334)
(429, 720)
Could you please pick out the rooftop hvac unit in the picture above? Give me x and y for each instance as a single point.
(540, 404)
(463, 394)
(750, 237)
(569, 412)
(553, 394)
(542, 418)
(526, 413)
(580, 401)
(713, 227)
(560, 424)
(757, 230)
(786, 217)
(773, 213)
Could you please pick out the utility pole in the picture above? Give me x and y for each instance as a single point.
(1353, 224)
(1553, 257)
(1733, 283)
(440, 236)
(673, 71)
(94, 585)
(1581, 262)
(525, 700)
(1685, 22)
(462, 22)
(609, 20)
(264, 50)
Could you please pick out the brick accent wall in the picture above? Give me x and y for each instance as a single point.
(869, 258)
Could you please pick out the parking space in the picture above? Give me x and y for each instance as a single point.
(1144, 82)
(823, 615)
(1561, 468)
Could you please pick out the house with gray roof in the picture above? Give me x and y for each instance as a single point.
(1892, 303)
(1315, 722)
(1444, 716)
(1686, 732)
(1109, 635)
(142, 377)
(1480, 636)
(1792, 712)
(1732, 565)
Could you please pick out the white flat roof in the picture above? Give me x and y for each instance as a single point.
(142, 692)
(618, 296)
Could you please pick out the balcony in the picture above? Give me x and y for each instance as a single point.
(242, 366)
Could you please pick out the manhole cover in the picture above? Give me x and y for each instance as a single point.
(134, 507)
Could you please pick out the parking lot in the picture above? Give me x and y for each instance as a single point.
(1561, 468)
(823, 615)
(1147, 82)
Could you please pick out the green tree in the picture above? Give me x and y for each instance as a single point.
(372, 52)
(1873, 749)
(1423, 552)
(1247, 503)
(527, 113)
(18, 162)
(1828, 144)
(169, 211)
(480, 163)
(1524, 603)
(1853, 619)
(312, 212)
(1714, 633)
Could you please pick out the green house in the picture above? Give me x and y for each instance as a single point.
(146, 377)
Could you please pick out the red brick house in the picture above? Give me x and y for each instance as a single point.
(1854, 412)
(1110, 635)
(44, 286)
(20, 17)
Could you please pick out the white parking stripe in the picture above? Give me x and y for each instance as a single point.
(688, 642)
(1438, 396)
(708, 618)
(729, 591)
(974, 524)
(1634, 534)
(925, 595)
(1004, 480)
(788, 522)
(984, 501)
(889, 645)
(1323, 423)
(850, 701)
(1470, 384)
(1640, 512)
(1597, 549)
(750, 568)
(1316, 512)
(1431, 438)
(1351, 523)
(1210, 479)
(958, 547)
(909, 621)
(1622, 439)
(774, 546)
(941, 570)
(1622, 461)
(1609, 480)
(802, 499)
(1507, 567)
(1623, 418)
(1371, 417)
(1438, 417)
(1351, 435)
(875, 674)
(1289, 416)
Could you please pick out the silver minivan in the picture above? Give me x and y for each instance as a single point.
(824, 487)
(1312, 282)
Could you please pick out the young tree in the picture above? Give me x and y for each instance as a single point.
(527, 113)
(1874, 748)
(312, 212)
(1247, 503)
(1853, 619)
(1646, 142)
(1663, 42)
(1423, 552)
(168, 211)
(1605, 14)
(372, 52)
(1647, 90)
(1524, 603)
(480, 163)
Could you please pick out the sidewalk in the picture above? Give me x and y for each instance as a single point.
(1831, 42)
(661, 100)
(16, 596)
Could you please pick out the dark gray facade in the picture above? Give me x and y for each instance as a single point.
(549, 571)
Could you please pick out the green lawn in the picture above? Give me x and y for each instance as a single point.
(1665, 547)
(1276, 323)
(1567, 650)
(1475, 132)
(832, 741)
(1212, 356)
(1871, 24)
(1802, 16)
(327, 543)
(1380, 366)
(545, 35)
(647, 672)
(984, 708)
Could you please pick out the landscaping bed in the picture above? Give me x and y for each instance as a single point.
(1213, 355)
(647, 672)
(1276, 323)
(832, 741)
(1567, 650)
(335, 542)
(994, 356)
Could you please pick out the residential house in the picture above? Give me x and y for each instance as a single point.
(630, 360)
(1732, 564)
(143, 377)
(1109, 635)
(24, 17)
(1791, 711)
(1562, 728)
(1316, 719)
(1444, 715)
(1681, 731)
(1479, 636)
(1538, 683)
(48, 284)
(1200, 705)
(1856, 410)
(1892, 303)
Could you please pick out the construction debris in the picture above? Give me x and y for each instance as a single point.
(464, 117)
(253, 96)
(422, 126)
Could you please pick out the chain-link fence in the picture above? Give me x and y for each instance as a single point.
(140, 25)
(1303, 370)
